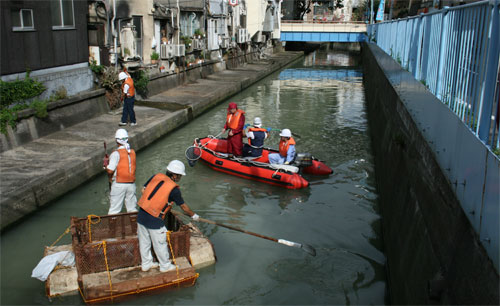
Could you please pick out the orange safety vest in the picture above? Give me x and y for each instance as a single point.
(125, 172)
(254, 129)
(284, 146)
(232, 120)
(131, 88)
(154, 200)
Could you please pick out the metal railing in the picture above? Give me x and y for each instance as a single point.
(455, 53)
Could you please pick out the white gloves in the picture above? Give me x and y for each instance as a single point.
(195, 217)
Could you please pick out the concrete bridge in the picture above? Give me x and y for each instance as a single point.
(322, 31)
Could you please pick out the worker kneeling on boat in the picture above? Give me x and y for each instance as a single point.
(159, 194)
(286, 149)
(256, 136)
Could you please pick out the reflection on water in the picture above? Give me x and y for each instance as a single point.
(322, 100)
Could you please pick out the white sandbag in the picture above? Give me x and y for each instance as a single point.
(49, 262)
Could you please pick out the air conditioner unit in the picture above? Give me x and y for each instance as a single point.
(163, 51)
(242, 36)
(166, 51)
(225, 43)
(197, 44)
(179, 50)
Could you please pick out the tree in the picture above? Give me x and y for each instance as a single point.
(363, 11)
(296, 9)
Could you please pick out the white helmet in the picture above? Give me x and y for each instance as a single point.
(122, 76)
(257, 122)
(121, 133)
(285, 133)
(177, 167)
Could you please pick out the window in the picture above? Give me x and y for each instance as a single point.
(62, 14)
(22, 20)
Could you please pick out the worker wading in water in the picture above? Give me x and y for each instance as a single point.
(121, 174)
(159, 194)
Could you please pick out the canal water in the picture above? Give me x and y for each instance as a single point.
(321, 99)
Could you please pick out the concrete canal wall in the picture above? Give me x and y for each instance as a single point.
(434, 255)
(54, 155)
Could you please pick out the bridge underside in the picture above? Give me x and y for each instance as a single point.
(323, 36)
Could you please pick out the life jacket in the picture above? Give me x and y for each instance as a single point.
(131, 88)
(284, 146)
(232, 120)
(258, 141)
(125, 172)
(154, 200)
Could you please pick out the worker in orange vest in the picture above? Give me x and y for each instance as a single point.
(235, 122)
(121, 174)
(128, 98)
(160, 193)
(286, 153)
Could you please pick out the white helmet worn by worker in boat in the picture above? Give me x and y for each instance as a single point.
(257, 122)
(121, 134)
(285, 133)
(122, 76)
(177, 167)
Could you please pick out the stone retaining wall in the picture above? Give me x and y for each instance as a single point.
(433, 254)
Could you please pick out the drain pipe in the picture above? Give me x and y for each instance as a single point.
(178, 22)
(113, 31)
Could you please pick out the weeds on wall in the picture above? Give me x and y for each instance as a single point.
(16, 95)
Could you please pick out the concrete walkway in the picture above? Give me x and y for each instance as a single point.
(34, 174)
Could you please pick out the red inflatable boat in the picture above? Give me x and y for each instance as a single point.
(214, 152)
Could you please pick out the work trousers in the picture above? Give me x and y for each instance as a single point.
(122, 192)
(275, 158)
(235, 144)
(128, 110)
(160, 245)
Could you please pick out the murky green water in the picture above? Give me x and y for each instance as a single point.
(322, 100)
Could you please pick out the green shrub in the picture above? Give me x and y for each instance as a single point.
(97, 69)
(109, 78)
(141, 81)
(155, 56)
(40, 108)
(19, 90)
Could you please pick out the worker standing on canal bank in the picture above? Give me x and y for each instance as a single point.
(121, 174)
(256, 136)
(286, 149)
(159, 194)
(235, 121)
(128, 98)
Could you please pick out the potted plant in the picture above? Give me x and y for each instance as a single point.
(154, 57)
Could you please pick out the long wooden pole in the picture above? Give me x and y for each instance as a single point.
(307, 248)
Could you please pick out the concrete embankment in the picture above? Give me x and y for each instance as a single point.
(39, 171)
(434, 256)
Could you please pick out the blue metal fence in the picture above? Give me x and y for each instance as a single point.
(455, 53)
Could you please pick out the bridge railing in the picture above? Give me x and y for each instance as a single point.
(322, 26)
(455, 53)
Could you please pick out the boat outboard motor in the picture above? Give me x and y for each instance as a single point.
(303, 160)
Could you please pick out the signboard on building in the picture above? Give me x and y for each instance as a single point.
(233, 2)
